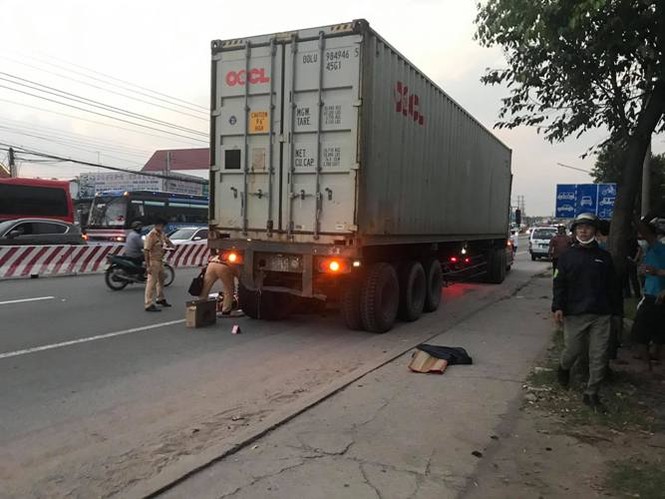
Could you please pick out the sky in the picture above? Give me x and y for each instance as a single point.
(157, 55)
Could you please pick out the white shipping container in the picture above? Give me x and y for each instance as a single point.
(330, 133)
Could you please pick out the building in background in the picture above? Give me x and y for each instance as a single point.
(179, 160)
(4, 171)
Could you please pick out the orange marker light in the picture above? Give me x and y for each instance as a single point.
(233, 257)
(334, 266)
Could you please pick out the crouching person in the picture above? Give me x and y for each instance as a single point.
(219, 269)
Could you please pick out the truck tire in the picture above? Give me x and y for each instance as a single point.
(350, 306)
(412, 291)
(496, 266)
(379, 298)
(248, 301)
(276, 306)
(434, 279)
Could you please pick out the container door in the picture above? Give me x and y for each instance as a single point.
(247, 123)
(321, 110)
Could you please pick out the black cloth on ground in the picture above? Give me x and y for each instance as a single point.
(454, 355)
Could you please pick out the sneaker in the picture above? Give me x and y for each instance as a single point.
(563, 376)
(594, 403)
(152, 308)
(164, 303)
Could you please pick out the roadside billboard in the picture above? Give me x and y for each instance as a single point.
(93, 182)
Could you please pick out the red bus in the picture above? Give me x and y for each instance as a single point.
(35, 198)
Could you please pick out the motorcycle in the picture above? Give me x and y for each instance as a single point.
(123, 271)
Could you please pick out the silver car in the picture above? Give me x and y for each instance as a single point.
(38, 231)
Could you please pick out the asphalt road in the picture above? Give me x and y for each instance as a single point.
(97, 394)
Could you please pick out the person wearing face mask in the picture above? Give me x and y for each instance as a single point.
(649, 325)
(586, 294)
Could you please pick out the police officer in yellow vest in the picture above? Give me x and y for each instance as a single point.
(154, 248)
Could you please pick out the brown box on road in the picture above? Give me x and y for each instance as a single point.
(201, 313)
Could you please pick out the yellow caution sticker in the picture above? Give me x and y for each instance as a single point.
(258, 122)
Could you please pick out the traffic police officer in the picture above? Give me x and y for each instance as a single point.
(155, 246)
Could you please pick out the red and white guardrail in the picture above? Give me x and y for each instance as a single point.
(29, 261)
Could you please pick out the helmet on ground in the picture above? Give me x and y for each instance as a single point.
(585, 218)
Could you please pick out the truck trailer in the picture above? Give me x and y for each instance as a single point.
(340, 172)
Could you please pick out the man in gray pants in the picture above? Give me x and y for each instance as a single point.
(586, 295)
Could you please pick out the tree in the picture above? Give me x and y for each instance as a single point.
(579, 65)
(610, 160)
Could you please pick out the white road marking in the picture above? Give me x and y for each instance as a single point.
(26, 300)
(6, 355)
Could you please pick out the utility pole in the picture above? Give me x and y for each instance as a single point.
(520, 203)
(12, 163)
(167, 171)
(646, 181)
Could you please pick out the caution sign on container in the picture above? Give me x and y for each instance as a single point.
(258, 122)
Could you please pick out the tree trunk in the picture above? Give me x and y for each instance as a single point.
(631, 177)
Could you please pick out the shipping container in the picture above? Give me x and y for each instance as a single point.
(328, 143)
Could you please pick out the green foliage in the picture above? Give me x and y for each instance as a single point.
(575, 65)
(610, 161)
(637, 478)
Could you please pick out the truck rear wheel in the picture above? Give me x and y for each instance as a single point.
(248, 301)
(379, 298)
(412, 291)
(496, 266)
(434, 278)
(350, 306)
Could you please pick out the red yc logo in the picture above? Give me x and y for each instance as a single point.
(408, 104)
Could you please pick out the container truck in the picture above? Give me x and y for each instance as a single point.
(340, 172)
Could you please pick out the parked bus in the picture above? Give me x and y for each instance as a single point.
(35, 198)
(113, 212)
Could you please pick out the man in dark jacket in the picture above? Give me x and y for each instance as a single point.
(586, 295)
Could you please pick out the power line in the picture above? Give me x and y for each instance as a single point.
(99, 145)
(24, 150)
(184, 104)
(97, 122)
(71, 145)
(93, 103)
(102, 114)
(115, 92)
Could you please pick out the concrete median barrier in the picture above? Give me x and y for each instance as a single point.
(44, 261)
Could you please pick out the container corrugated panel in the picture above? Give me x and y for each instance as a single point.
(428, 167)
(329, 133)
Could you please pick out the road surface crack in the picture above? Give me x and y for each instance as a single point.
(257, 479)
(368, 481)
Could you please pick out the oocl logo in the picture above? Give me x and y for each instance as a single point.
(256, 75)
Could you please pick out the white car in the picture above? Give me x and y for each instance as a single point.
(189, 234)
(539, 242)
